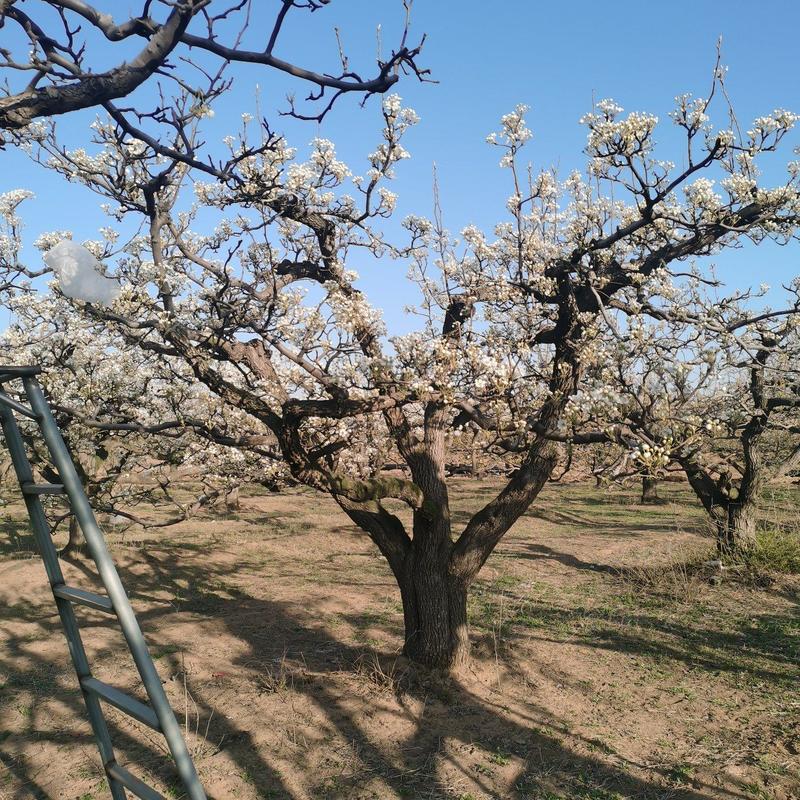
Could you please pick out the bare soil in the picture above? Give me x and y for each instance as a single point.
(606, 665)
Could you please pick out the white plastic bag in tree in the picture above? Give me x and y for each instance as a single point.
(80, 274)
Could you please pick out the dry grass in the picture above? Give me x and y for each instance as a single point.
(607, 665)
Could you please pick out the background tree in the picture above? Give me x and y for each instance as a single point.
(138, 435)
(706, 386)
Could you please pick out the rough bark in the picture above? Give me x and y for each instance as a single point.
(732, 512)
(88, 90)
(739, 534)
(434, 596)
(434, 599)
(488, 526)
(436, 572)
(736, 528)
(434, 613)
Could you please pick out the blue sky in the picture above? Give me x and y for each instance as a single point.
(487, 57)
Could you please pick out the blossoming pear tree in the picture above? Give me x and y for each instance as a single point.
(707, 382)
(243, 273)
(132, 427)
(50, 68)
(134, 431)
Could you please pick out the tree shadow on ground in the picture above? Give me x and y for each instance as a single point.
(453, 718)
(466, 720)
(541, 552)
(16, 539)
(39, 683)
(763, 647)
(463, 717)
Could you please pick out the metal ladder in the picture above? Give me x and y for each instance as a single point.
(158, 714)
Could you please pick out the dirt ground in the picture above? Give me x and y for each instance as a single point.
(603, 668)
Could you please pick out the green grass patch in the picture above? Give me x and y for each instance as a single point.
(775, 550)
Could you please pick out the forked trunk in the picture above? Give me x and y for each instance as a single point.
(433, 569)
(434, 597)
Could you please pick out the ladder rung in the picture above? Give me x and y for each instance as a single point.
(18, 371)
(42, 488)
(129, 781)
(132, 707)
(75, 595)
(18, 407)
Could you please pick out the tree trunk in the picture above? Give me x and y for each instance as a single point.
(432, 570)
(791, 464)
(650, 490)
(739, 534)
(232, 500)
(434, 598)
(435, 614)
(733, 511)
(736, 532)
(74, 539)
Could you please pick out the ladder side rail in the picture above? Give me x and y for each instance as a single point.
(108, 574)
(47, 551)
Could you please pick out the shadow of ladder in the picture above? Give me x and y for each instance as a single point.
(158, 714)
